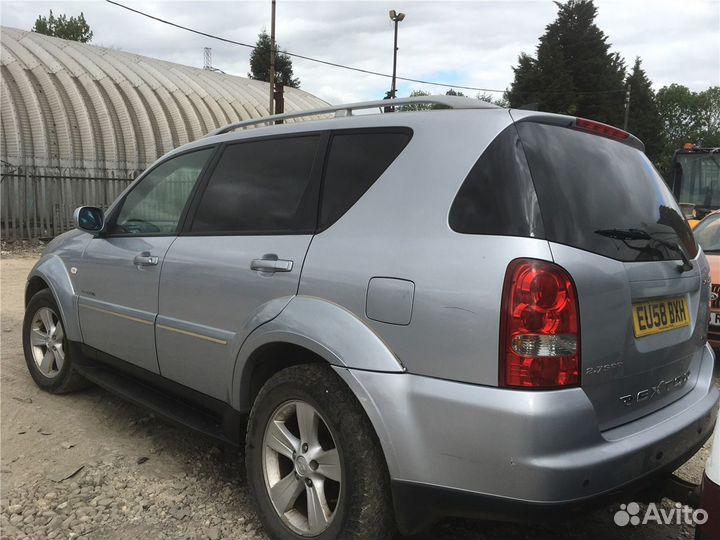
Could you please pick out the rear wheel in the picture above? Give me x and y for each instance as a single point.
(46, 347)
(314, 463)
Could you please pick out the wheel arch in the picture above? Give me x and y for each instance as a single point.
(273, 357)
(309, 329)
(34, 285)
(50, 273)
(267, 360)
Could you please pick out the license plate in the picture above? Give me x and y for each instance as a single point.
(660, 316)
(714, 319)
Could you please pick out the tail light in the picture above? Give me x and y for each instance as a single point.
(540, 327)
(601, 129)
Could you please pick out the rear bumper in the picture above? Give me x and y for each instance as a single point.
(417, 506)
(523, 449)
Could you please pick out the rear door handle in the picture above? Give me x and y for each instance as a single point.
(145, 259)
(270, 263)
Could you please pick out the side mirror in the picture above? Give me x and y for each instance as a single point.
(89, 219)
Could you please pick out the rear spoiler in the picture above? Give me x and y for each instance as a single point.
(582, 124)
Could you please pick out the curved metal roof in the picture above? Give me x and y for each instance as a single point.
(75, 106)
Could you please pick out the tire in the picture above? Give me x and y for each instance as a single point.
(50, 363)
(357, 486)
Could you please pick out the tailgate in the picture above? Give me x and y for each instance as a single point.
(642, 284)
(625, 376)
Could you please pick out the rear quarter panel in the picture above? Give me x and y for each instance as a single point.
(399, 229)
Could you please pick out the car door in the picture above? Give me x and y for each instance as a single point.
(238, 262)
(119, 272)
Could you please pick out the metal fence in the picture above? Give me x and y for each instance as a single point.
(39, 203)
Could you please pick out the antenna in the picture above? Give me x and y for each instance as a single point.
(207, 54)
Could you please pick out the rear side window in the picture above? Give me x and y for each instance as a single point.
(497, 196)
(355, 161)
(262, 187)
(601, 195)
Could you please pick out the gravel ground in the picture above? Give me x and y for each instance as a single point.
(88, 465)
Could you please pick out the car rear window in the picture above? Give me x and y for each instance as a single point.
(591, 188)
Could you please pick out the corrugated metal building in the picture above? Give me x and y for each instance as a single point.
(69, 110)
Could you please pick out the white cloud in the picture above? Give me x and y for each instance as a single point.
(467, 43)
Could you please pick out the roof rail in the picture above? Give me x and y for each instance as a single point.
(450, 102)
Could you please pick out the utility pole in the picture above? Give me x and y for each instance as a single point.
(207, 53)
(627, 106)
(272, 60)
(396, 18)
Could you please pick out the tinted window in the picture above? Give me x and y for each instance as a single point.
(699, 176)
(497, 196)
(591, 187)
(261, 187)
(155, 204)
(355, 161)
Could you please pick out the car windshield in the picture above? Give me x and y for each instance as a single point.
(707, 234)
(700, 180)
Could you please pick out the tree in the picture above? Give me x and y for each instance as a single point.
(427, 106)
(73, 28)
(644, 120)
(688, 117)
(490, 98)
(574, 71)
(709, 116)
(260, 63)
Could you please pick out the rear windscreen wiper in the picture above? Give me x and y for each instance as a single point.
(639, 234)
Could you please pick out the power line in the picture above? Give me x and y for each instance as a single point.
(301, 56)
(326, 62)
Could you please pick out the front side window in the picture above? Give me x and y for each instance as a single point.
(262, 187)
(156, 204)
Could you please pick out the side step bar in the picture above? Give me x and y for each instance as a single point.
(162, 404)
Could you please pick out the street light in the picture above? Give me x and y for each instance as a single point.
(396, 18)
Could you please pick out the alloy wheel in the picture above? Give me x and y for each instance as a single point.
(301, 466)
(47, 340)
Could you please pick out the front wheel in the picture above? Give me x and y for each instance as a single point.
(314, 464)
(46, 347)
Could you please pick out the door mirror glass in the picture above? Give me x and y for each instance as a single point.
(89, 219)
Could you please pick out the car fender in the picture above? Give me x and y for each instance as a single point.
(325, 328)
(52, 270)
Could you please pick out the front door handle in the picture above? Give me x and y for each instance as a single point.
(271, 263)
(145, 259)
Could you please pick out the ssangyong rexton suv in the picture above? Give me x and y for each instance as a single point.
(401, 316)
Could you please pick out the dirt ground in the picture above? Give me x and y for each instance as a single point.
(88, 465)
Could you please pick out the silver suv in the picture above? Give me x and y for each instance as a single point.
(465, 311)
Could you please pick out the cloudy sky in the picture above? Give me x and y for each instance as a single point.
(469, 43)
